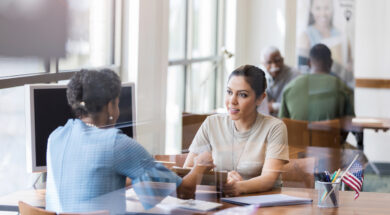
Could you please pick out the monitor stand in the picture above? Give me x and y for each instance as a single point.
(40, 183)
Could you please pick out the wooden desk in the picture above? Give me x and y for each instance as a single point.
(356, 125)
(360, 123)
(367, 203)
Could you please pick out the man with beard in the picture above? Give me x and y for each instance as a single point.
(278, 76)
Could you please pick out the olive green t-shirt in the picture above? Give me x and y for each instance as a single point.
(316, 97)
(244, 152)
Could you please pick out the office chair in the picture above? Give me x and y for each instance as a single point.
(191, 123)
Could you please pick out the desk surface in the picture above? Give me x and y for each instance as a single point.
(359, 123)
(356, 125)
(367, 203)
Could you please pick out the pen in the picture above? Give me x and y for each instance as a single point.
(333, 175)
(334, 178)
(327, 176)
(332, 195)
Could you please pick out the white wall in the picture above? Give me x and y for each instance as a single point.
(262, 23)
(372, 61)
(145, 62)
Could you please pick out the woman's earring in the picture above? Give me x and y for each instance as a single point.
(110, 118)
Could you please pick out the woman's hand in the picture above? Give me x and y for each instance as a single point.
(187, 188)
(234, 176)
(232, 187)
(203, 163)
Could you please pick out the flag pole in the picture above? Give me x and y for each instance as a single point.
(349, 167)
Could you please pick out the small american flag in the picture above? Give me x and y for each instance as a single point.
(354, 178)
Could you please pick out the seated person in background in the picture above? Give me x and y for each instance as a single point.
(278, 76)
(88, 157)
(319, 95)
(251, 146)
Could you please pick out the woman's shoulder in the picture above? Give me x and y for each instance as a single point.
(219, 118)
(123, 138)
(124, 143)
(270, 121)
(65, 128)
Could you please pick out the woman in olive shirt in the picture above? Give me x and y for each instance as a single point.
(251, 146)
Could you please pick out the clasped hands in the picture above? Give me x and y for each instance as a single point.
(232, 186)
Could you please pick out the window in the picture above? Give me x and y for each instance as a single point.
(20, 66)
(91, 43)
(90, 34)
(195, 32)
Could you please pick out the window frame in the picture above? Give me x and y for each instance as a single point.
(52, 74)
(217, 58)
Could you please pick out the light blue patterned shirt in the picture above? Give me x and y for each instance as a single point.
(85, 163)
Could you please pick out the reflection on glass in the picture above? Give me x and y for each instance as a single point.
(19, 66)
(201, 89)
(177, 18)
(90, 34)
(13, 172)
(204, 28)
(174, 109)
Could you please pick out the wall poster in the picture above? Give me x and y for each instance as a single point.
(330, 22)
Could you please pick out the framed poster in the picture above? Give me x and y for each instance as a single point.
(330, 22)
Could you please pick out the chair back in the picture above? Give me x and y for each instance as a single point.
(191, 124)
(299, 173)
(26, 209)
(298, 136)
(325, 133)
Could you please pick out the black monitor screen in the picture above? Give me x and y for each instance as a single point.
(51, 110)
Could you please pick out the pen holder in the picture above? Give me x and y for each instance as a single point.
(328, 194)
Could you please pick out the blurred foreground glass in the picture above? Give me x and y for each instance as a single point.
(91, 34)
(200, 96)
(174, 109)
(177, 29)
(13, 172)
(20, 66)
(204, 28)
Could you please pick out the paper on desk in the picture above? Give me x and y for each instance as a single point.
(268, 200)
(167, 204)
(171, 202)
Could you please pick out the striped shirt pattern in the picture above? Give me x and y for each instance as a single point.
(85, 163)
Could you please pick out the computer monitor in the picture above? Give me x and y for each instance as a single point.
(47, 108)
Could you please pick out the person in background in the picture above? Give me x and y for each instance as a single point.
(252, 147)
(88, 157)
(278, 76)
(319, 95)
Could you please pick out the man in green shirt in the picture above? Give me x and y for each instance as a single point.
(319, 95)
